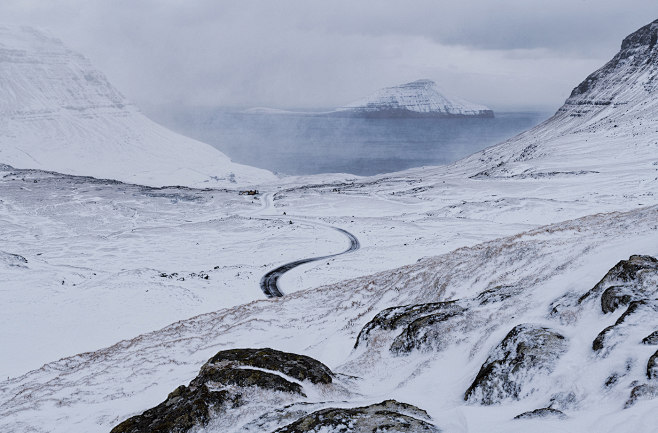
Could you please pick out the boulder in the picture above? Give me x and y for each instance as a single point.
(387, 416)
(399, 317)
(652, 367)
(528, 351)
(545, 412)
(220, 386)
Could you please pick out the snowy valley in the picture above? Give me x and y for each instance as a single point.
(514, 290)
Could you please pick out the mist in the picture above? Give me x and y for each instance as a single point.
(508, 54)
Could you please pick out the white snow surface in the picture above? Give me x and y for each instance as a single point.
(57, 112)
(547, 213)
(421, 96)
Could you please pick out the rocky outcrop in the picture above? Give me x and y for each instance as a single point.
(637, 314)
(625, 281)
(299, 367)
(387, 416)
(527, 352)
(545, 412)
(652, 367)
(184, 409)
(642, 392)
(651, 339)
(221, 386)
(632, 280)
(407, 318)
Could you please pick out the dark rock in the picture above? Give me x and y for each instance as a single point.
(526, 351)
(299, 367)
(219, 387)
(497, 294)
(652, 366)
(245, 377)
(651, 339)
(642, 392)
(398, 317)
(616, 296)
(428, 332)
(184, 408)
(545, 412)
(387, 416)
(634, 307)
(626, 271)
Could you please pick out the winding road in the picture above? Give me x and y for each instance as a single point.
(269, 282)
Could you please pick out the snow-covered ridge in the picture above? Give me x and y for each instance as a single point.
(419, 98)
(57, 112)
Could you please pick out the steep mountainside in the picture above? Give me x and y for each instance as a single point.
(612, 110)
(59, 113)
(416, 99)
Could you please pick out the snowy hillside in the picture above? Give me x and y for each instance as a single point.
(512, 291)
(416, 99)
(59, 113)
(608, 123)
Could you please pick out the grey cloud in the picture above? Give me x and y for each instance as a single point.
(310, 53)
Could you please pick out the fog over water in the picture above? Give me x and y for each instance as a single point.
(300, 144)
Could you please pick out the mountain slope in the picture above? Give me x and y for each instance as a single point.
(420, 98)
(59, 113)
(609, 121)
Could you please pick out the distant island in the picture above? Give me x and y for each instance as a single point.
(419, 98)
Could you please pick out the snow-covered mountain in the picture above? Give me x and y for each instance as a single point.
(419, 98)
(57, 112)
(614, 108)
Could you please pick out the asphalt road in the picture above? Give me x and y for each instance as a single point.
(269, 282)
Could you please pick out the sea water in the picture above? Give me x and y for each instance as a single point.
(299, 144)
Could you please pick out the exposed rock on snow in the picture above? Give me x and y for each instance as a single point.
(652, 367)
(638, 314)
(389, 416)
(416, 99)
(299, 367)
(545, 412)
(526, 352)
(651, 339)
(59, 113)
(642, 392)
(401, 317)
(221, 386)
(635, 279)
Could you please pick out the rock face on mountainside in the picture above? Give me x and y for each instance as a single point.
(59, 113)
(416, 99)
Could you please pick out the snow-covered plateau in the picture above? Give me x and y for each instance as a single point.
(514, 290)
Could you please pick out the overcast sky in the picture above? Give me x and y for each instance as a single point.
(508, 54)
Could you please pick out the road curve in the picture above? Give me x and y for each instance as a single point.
(269, 282)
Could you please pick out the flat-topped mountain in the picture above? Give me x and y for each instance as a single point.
(59, 113)
(419, 98)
